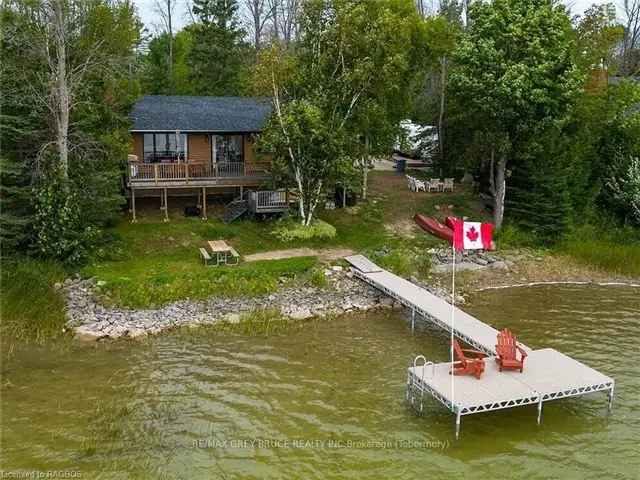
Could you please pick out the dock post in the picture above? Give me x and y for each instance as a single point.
(610, 395)
(413, 319)
(458, 424)
(540, 410)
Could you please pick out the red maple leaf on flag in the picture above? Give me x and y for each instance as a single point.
(472, 234)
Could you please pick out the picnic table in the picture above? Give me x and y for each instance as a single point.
(222, 251)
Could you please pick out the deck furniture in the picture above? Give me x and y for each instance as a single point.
(435, 185)
(416, 185)
(447, 185)
(222, 251)
(235, 256)
(473, 365)
(410, 182)
(507, 350)
(206, 258)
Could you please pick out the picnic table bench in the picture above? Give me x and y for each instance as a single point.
(221, 252)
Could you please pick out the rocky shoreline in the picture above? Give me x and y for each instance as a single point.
(92, 321)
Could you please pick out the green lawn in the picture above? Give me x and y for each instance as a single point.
(154, 262)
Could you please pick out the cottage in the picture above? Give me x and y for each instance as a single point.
(196, 145)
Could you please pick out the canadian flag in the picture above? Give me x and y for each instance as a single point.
(472, 235)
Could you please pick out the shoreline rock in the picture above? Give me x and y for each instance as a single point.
(92, 321)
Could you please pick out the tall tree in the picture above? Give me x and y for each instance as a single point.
(67, 88)
(631, 41)
(165, 9)
(260, 11)
(441, 34)
(216, 59)
(598, 34)
(154, 65)
(515, 74)
(383, 51)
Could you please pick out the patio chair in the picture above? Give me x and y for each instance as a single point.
(507, 349)
(468, 365)
(435, 184)
(447, 185)
(410, 183)
(419, 185)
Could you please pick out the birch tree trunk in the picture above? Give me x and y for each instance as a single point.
(365, 168)
(61, 87)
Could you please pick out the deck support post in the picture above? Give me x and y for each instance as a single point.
(204, 203)
(133, 205)
(413, 319)
(540, 410)
(166, 206)
(241, 192)
(457, 424)
(610, 396)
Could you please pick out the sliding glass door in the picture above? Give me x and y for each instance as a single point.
(228, 149)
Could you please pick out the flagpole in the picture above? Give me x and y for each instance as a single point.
(453, 301)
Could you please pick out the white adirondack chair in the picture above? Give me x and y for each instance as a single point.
(448, 185)
(419, 185)
(410, 183)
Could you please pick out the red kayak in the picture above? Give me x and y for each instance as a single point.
(434, 227)
(450, 222)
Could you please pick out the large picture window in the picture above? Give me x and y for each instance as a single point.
(228, 148)
(165, 147)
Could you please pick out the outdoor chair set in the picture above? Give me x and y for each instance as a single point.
(471, 362)
(432, 185)
(221, 254)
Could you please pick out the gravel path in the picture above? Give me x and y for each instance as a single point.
(328, 254)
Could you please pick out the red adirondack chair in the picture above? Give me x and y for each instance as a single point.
(507, 349)
(468, 365)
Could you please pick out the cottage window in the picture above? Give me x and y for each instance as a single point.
(165, 147)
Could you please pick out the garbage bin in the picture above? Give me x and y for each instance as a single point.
(401, 165)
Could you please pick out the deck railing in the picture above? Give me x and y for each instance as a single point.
(172, 172)
(268, 200)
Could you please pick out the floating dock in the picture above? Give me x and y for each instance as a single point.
(548, 374)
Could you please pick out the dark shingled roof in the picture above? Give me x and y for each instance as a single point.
(200, 114)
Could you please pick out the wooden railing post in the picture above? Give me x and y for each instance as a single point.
(186, 172)
(155, 172)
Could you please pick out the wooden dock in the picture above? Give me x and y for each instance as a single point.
(548, 374)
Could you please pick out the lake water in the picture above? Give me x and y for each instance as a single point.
(323, 401)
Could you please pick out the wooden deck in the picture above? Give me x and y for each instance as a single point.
(195, 175)
(548, 374)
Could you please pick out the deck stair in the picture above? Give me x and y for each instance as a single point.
(235, 209)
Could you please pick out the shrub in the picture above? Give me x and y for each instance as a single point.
(290, 231)
(60, 230)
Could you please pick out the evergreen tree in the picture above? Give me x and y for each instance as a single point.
(538, 194)
(216, 59)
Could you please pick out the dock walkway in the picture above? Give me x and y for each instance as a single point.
(548, 374)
